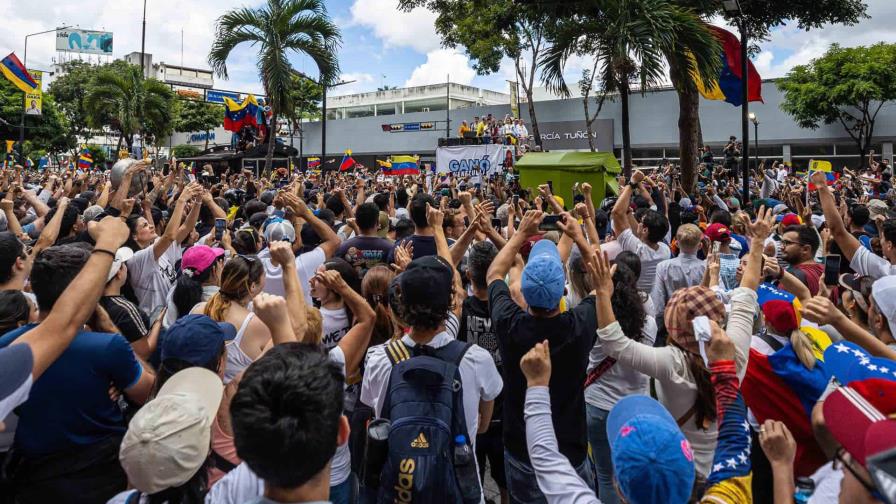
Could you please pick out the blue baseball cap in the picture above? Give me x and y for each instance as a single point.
(196, 339)
(543, 281)
(652, 459)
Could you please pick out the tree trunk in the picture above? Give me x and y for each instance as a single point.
(118, 149)
(532, 118)
(588, 122)
(272, 140)
(626, 133)
(206, 139)
(688, 126)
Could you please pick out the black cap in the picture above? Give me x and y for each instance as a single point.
(427, 280)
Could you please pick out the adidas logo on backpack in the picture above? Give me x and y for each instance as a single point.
(420, 442)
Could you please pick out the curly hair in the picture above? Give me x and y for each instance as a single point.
(626, 301)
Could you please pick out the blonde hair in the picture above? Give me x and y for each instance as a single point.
(802, 347)
(314, 329)
(689, 237)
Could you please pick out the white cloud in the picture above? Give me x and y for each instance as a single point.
(439, 65)
(397, 28)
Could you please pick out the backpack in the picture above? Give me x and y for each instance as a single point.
(424, 403)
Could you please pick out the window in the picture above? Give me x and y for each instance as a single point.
(386, 109)
(812, 150)
(363, 111)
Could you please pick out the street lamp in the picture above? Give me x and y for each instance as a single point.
(733, 9)
(323, 124)
(755, 121)
(25, 64)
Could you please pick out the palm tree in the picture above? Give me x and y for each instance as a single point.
(277, 28)
(123, 100)
(632, 40)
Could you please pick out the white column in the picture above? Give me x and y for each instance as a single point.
(787, 157)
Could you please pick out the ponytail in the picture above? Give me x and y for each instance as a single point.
(802, 347)
(705, 404)
(216, 307)
(187, 292)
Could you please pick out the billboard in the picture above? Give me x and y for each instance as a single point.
(84, 41)
(564, 135)
(215, 96)
(34, 101)
(474, 161)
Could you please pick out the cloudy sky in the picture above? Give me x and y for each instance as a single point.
(380, 45)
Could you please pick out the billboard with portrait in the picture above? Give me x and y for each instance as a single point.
(84, 41)
(34, 101)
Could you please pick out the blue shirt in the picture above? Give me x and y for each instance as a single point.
(69, 404)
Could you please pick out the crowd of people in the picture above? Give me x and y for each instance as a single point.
(350, 338)
(490, 129)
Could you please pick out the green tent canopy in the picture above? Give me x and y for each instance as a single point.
(564, 169)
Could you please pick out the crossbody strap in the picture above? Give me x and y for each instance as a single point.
(599, 370)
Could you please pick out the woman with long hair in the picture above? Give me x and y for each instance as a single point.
(337, 315)
(375, 289)
(242, 278)
(15, 310)
(199, 280)
(608, 381)
(682, 380)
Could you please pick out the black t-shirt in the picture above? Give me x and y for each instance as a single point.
(365, 252)
(476, 327)
(423, 246)
(128, 317)
(571, 335)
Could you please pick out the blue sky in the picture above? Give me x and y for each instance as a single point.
(380, 45)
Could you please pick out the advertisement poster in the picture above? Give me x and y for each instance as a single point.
(474, 161)
(34, 101)
(84, 41)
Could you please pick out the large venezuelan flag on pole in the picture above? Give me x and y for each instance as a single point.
(400, 165)
(347, 161)
(237, 115)
(13, 70)
(729, 86)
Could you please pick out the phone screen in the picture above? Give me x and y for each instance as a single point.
(549, 223)
(832, 269)
(496, 223)
(516, 199)
(551, 186)
(219, 229)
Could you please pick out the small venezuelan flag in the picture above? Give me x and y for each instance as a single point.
(13, 70)
(347, 161)
(85, 160)
(313, 162)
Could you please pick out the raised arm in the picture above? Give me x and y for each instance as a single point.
(52, 336)
(354, 343)
(619, 214)
(822, 311)
(281, 254)
(171, 230)
(845, 240)
(504, 260)
(330, 240)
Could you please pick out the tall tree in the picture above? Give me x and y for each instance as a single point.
(69, 90)
(631, 40)
(491, 30)
(846, 86)
(196, 115)
(123, 101)
(277, 28)
(45, 134)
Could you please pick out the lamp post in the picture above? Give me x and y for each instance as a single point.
(323, 123)
(733, 9)
(25, 64)
(755, 121)
(143, 44)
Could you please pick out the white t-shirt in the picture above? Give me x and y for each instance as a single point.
(649, 257)
(151, 279)
(335, 325)
(480, 378)
(867, 263)
(620, 380)
(306, 267)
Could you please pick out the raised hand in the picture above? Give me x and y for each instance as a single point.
(761, 228)
(777, 442)
(531, 221)
(403, 255)
(434, 216)
(281, 253)
(109, 233)
(601, 274)
(271, 309)
(720, 347)
(536, 365)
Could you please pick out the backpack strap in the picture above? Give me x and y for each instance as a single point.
(769, 340)
(222, 463)
(454, 352)
(133, 498)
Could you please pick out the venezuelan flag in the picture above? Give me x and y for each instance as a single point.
(85, 160)
(13, 70)
(237, 115)
(826, 168)
(347, 161)
(729, 86)
(400, 165)
(313, 162)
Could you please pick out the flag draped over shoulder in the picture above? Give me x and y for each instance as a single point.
(729, 85)
(779, 387)
(400, 165)
(13, 70)
(237, 115)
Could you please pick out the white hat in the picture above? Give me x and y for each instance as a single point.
(169, 438)
(122, 255)
(883, 292)
(817, 220)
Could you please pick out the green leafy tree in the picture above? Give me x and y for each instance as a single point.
(277, 28)
(69, 91)
(195, 115)
(846, 86)
(491, 30)
(44, 134)
(185, 151)
(123, 101)
(631, 41)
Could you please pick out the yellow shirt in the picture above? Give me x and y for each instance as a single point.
(463, 129)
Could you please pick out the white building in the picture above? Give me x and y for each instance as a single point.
(412, 99)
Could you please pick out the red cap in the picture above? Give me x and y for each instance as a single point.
(780, 316)
(791, 219)
(858, 426)
(718, 232)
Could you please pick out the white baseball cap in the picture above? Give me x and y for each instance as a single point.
(169, 439)
(121, 255)
(883, 291)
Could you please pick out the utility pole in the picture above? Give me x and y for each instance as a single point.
(25, 64)
(143, 44)
(448, 107)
